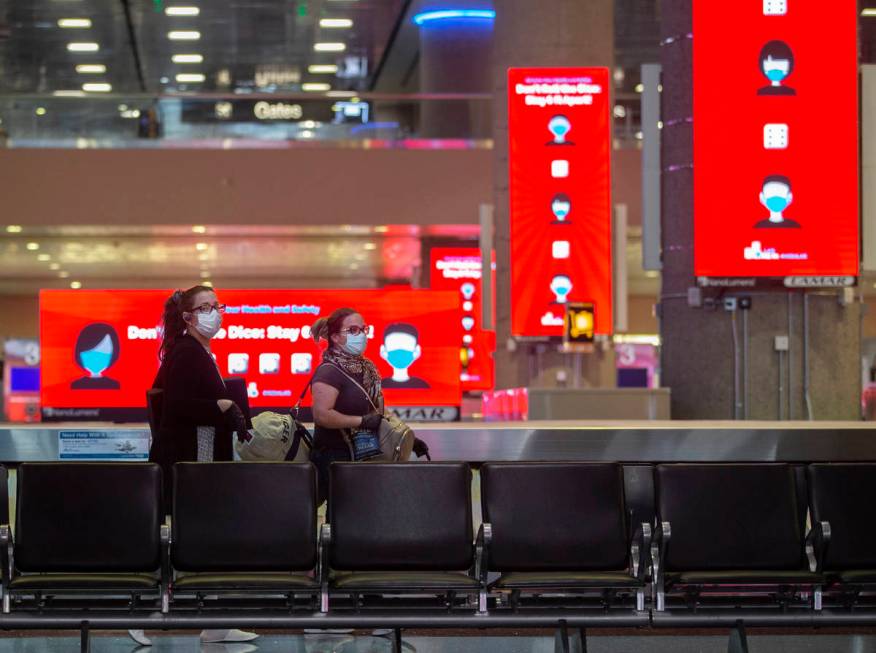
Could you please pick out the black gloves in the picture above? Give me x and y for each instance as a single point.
(235, 420)
(371, 422)
(421, 449)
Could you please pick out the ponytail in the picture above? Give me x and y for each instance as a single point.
(325, 327)
(173, 324)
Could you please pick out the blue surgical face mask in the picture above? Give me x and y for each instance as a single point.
(400, 359)
(356, 345)
(776, 204)
(95, 361)
(775, 74)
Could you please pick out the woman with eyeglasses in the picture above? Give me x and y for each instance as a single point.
(198, 417)
(346, 391)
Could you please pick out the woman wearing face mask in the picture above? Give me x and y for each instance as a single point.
(198, 417)
(340, 407)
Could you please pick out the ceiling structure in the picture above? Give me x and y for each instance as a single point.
(245, 45)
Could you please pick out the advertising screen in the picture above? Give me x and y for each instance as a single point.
(100, 347)
(775, 138)
(560, 160)
(459, 269)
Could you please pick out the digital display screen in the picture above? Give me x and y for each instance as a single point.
(560, 201)
(459, 269)
(775, 138)
(100, 347)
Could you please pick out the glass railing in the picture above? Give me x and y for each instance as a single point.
(259, 121)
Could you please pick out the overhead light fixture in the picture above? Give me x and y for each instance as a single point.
(640, 88)
(13, 228)
(83, 47)
(74, 23)
(335, 23)
(184, 35)
(315, 87)
(75, 285)
(209, 284)
(97, 87)
(182, 11)
(45, 258)
(63, 274)
(40, 111)
(55, 266)
(305, 134)
(329, 47)
(90, 68)
(68, 93)
(201, 247)
(869, 12)
(187, 58)
(349, 94)
(370, 246)
(322, 69)
(190, 78)
(32, 247)
(199, 229)
(454, 14)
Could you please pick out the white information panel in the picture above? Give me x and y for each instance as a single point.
(130, 444)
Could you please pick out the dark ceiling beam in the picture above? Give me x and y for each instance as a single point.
(135, 49)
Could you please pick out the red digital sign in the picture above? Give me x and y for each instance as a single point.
(459, 269)
(560, 160)
(775, 138)
(100, 347)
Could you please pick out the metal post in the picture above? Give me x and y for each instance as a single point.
(619, 256)
(651, 202)
(486, 245)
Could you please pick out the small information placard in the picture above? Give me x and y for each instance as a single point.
(132, 444)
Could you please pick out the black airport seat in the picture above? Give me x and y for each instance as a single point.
(561, 527)
(841, 499)
(734, 528)
(86, 528)
(399, 528)
(244, 527)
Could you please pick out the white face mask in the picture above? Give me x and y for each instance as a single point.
(209, 323)
(356, 345)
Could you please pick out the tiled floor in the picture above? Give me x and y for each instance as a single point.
(268, 643)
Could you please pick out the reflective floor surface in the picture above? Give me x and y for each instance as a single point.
(271, 643)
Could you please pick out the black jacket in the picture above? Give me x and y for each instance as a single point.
(191, 384)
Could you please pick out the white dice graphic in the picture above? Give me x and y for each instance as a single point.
(775, 136)
(775, 7)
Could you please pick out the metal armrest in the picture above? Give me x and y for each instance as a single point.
(639, 548)
(482, 563)
(322, 565)
(166, 572)
(817, 541)
(7, 557)
(659, 547)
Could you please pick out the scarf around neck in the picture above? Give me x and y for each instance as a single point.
(356, 366)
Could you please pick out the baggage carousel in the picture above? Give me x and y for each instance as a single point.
(651, 441)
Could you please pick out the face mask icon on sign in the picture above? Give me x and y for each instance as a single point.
(96, 350)
(401, 349)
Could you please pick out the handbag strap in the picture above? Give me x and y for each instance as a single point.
(358, 385)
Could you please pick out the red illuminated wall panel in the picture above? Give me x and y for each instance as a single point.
(265, 338)
(459, 269)
(560, 158)
(775, 138)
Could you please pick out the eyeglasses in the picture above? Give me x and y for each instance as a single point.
(206, 308)
(355, 330)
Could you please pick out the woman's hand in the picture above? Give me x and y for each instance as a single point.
(371, 422)
(235, 421)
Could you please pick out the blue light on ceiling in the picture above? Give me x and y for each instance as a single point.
(451, 14)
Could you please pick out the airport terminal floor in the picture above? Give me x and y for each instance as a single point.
(376, 326)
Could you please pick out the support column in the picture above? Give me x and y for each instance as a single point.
(712, 372)
(455, 58)
(558, 33)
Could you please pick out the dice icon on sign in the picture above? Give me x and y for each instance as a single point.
(775, 136)
(775, 7)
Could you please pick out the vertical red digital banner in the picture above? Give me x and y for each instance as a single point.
(775, 138)
(460, 269)
(559, 130)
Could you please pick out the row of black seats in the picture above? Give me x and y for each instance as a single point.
(556, 542)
